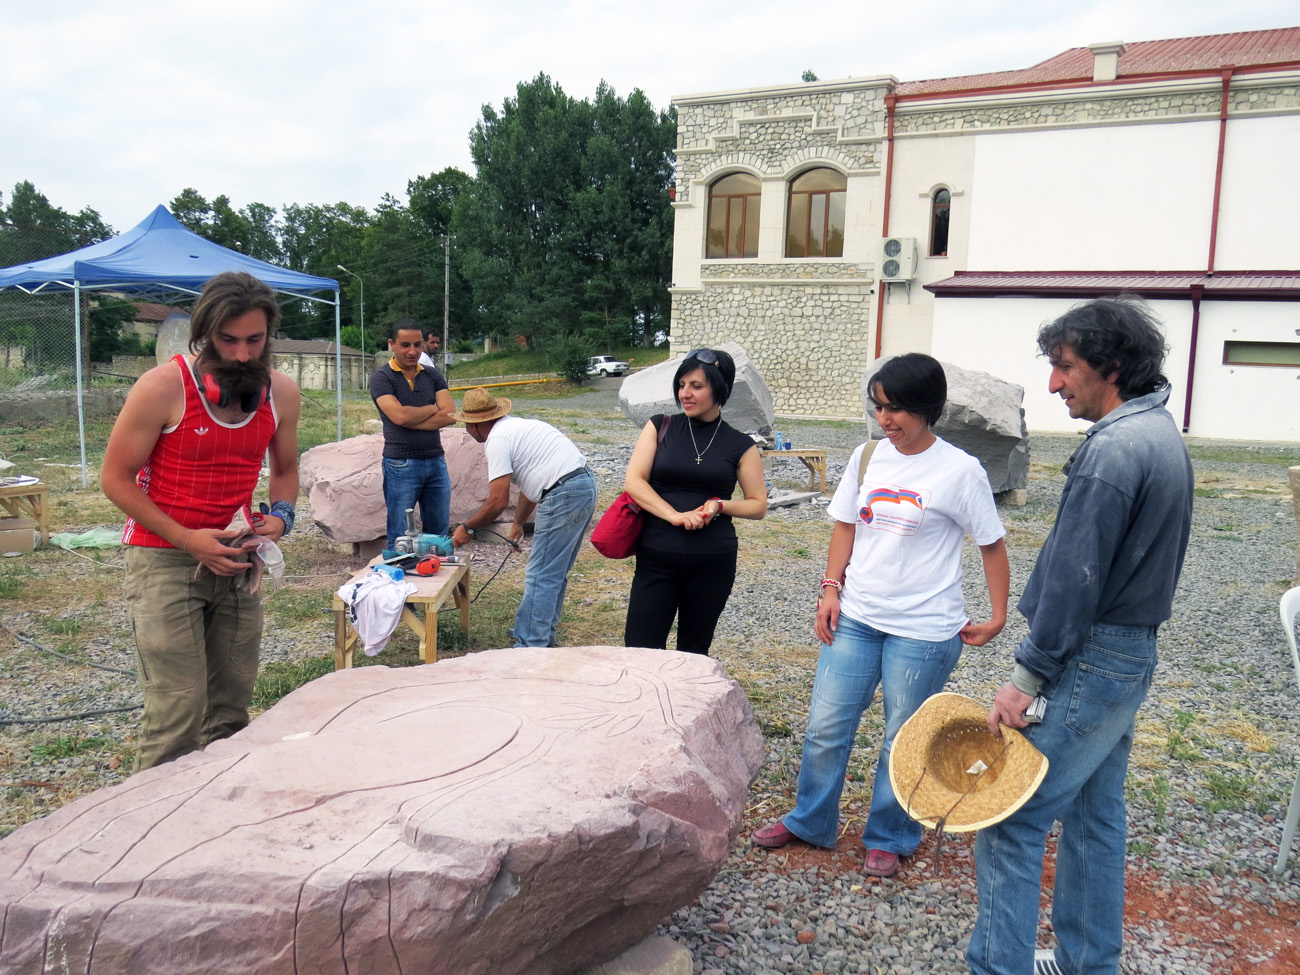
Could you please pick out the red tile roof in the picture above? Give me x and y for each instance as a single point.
(151, 311)
(1257, 285)
(1209, 53)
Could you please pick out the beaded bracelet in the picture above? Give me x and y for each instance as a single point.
(835, 583)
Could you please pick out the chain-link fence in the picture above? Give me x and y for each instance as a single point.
(38, 340)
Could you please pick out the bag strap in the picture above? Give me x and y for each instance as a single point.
(662, 426)
(868, 449)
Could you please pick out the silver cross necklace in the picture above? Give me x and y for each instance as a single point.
(699, 454)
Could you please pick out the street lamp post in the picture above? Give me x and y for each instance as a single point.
(364, 363)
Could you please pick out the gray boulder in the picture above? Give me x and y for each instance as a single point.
(984, 417)
(513, 811)
(649, 391)
(173, 337)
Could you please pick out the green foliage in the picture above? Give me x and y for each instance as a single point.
(39, 229)
(570, 358)
(566, 231)
(809, 75)
(107, 317)
(279, 677)
(67, 746)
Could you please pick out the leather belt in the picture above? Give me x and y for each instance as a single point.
(567, 477)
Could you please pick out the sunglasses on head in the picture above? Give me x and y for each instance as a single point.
(704, 355)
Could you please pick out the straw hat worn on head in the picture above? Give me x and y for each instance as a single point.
(944, 765)
(479, 406)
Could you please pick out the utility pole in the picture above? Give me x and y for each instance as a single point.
(365, 365)
(446, 300)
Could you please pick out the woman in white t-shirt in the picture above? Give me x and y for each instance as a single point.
(890, 610)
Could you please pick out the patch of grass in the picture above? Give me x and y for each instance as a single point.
(13, 579)
(1229, 791)
(279, 677)
(1180, 744)
(66, 625)
(1159, 794)
(67, 746)
(1140, 848)
(1239, 455)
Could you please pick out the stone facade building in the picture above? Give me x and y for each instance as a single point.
(1159, 168)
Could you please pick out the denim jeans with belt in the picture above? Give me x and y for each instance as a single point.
(559, 529)
(1086, 734)
(848, 671)
(411, 479)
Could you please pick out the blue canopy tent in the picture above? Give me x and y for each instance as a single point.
(160, 259)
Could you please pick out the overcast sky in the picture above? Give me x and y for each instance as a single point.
(121, 106)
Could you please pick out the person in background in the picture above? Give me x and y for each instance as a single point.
(890, 608)
(183, 458)
(414, 404)
(429, 353)
(1103, 583)
(684, 480)
(554, 482)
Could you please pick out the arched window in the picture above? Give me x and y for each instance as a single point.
(815, 215)
(733, 216)
(940, 205)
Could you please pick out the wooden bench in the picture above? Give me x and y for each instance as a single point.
(814, 460)
(431, 592)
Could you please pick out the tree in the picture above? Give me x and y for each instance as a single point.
(565, 231)
(40, 229)
(808, 75)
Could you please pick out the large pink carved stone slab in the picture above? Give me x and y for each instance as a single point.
(513, 811)
(344, 484)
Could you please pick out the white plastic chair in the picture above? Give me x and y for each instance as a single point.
(1290, 607)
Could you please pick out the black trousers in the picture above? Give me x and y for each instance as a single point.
(693, 588)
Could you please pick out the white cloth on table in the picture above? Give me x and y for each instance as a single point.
(375, 605)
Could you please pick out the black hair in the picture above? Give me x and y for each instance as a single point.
(1118, 335)
(405, 325)
(721, 376)
(914, 382)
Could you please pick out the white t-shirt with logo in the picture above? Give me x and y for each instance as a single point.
(909, 517)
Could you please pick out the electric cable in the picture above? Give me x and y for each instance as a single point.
(4, 720)
(64, 656)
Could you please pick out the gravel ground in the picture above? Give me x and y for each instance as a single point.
(1212, 767)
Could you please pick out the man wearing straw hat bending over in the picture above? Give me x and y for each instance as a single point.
(1103, 583)
(554, 481)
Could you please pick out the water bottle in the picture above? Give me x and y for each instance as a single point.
(392, 571)
(777, 441)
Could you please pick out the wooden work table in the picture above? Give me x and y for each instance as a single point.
(431, 592)
(28, 501)
(814, 460)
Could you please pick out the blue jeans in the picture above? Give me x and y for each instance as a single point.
(559, 530)
(848, 671)
(411, 479)
(1086, 734)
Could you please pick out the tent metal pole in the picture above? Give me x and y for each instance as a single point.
(81, 402)
(338, 361)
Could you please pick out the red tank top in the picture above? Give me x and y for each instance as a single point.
(202, 470)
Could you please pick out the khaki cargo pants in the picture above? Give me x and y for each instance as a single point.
(197, 649)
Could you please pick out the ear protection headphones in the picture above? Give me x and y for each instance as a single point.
(219, 396)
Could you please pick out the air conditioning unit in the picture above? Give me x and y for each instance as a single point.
(897, 259)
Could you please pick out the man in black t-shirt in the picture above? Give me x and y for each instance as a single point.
(414, 404)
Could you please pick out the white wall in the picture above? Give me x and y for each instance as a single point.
(998, 336)
(1118, 197)
(1259, 216)
(921, 165)
(1245, 402)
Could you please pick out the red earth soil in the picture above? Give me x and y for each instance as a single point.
(1262, 935)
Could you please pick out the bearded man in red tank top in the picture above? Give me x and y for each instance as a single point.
(184, 458)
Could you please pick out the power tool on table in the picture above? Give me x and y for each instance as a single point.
(418, 543)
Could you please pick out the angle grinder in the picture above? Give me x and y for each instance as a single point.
(415, 542)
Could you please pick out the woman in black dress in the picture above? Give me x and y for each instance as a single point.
(684, 481)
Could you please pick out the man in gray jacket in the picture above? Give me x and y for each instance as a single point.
(1103, 583)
